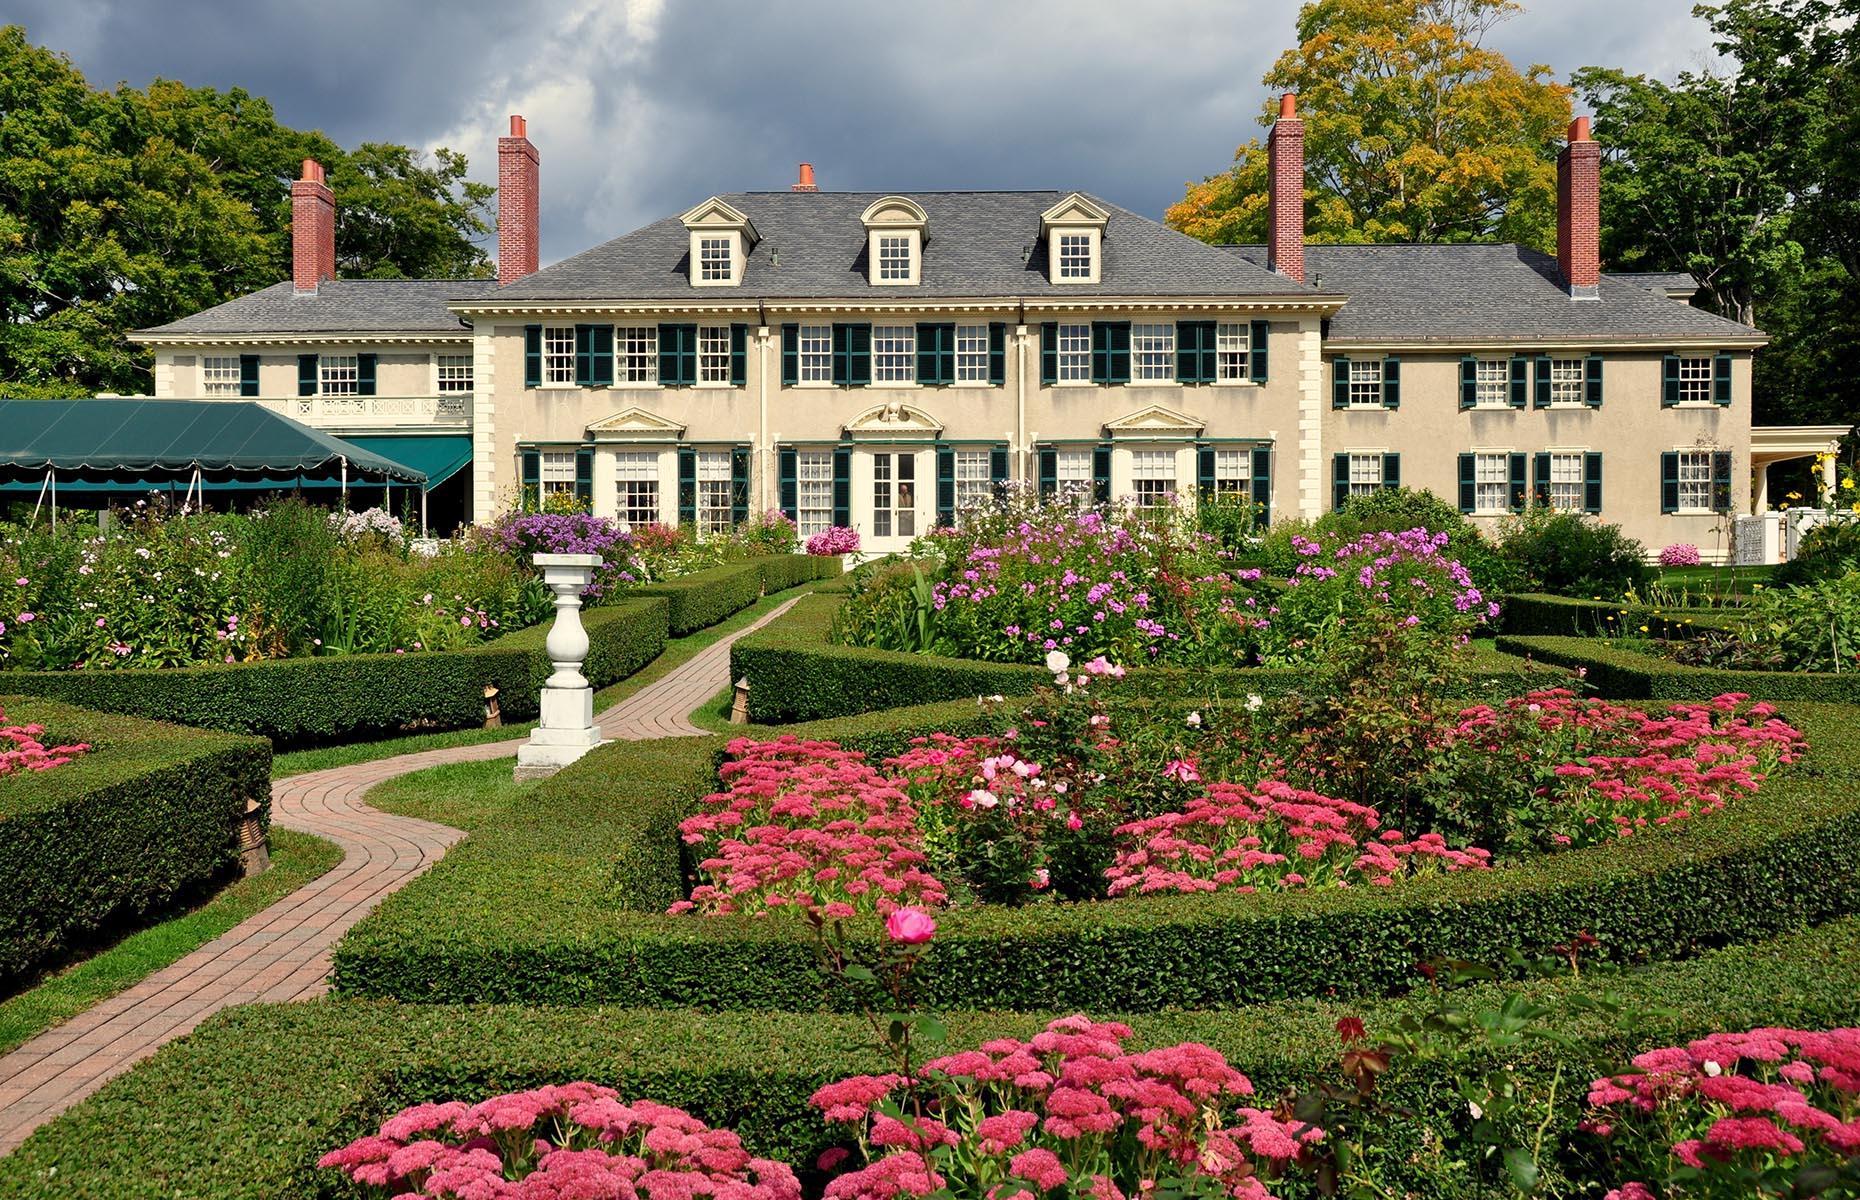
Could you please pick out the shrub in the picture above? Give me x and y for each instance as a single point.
(1827, 551)
(1680, 554)
(770, 532)
(703, 598)
(1571, 554)
(1624, 672)
(146, 818)
(837, 540)
(523, 535)
(1811, 626)
(1396, 510)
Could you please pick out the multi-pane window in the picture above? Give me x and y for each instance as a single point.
(1492, 383)
(1152, 476)
(558, 473)
(894, 495)
(813, 512)
(639, 354)
(713, 491)
(1073, 467)
(558, 354)
(1695, 384)
(713, 354)
(219, 376)
(971, 354)
(1365, 474)
(973, 479)
(894, 353)
(1152, 352)
(816, 354)
(1074, 353)
(1230, 352)
(1491, 482)
(894, 258)
(1365, 383)
(1232, 470)
(714, 259)
(454, 373)
(1568, 379)
(1695, 480)
(336, 374)
(1075, 256)
(1566, 479)
(636, 487)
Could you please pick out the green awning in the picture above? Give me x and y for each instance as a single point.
(439, 456)
(143, 442)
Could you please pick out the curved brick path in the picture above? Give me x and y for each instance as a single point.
(283, 953)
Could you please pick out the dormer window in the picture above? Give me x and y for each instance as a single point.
(715, 259)
(1075, 256)
(895, 230)
(1074, 232)
(721, 236)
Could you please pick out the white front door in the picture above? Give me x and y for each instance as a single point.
(895, 497)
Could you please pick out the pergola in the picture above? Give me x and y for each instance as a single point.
(110, 444)
(1771, 444)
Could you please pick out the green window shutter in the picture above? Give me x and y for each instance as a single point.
(1262, 487)
(1592, 482)
(1721, 481)
(997, 352)
(739, 355)
(931, 361)
(1721, 378)
(1391, 471)
(998, 465)
(1540, 478)
(1669, 382)
(584, 356)
(1520, 487)
(1391, 382)
(1194, 352)
(1339, 479)
(532, 356)
(603, 356)
(790, 355)
(1543, 382)
(1340, 383)
(306, 374)
(1049, 472)
(1204, 471)
(530, 471)
(687, 486)
(1258, 339)
(248, 374)
(852, 355)
(842, 356)
(584, 477)
(1049, 353)
(1110, 351)
(790, 463)
(1101, 473)
(1469, 492)
(739, 484)
(1520, 371)
(1592, 381)
(946, 353)
(1469, 382)
(842, 487)
(945, 487)
(364, 374)
(678, 355)
(1669, 482)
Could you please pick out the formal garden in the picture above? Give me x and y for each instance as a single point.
(1081, 852)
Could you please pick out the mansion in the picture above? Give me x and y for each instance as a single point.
(882, 360)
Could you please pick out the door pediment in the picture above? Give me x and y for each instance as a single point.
(893, 420)
(636, 425)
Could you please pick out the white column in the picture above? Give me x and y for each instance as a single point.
(1763, 486)
(1828, 482)
(567, 730)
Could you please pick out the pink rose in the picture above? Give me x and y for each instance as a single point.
(911, 926)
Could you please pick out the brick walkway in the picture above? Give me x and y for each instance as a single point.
(283, 953)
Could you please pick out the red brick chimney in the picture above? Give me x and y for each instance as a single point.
(1285, 190)
(519, 241)
(1579, 212)
(313, 229)
(805, 181)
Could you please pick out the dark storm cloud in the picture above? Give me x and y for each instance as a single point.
(642, 108)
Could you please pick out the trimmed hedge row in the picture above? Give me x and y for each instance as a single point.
(149, 816)
(1631, 675)
(532, 909)
(1538, 614)
(297, 701)
(703, 598)
(334, 1070)
(796, 673)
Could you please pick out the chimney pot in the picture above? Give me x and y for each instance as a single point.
(1579, 212)
(519, 240)
(804, 180)
(518, 126)
(1579, 130)
(313, 229)
(1288, 106)
(1285, 192)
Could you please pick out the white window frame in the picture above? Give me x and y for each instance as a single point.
(555, 473)
(813, 491)
(713, 356)
(715, 483)
(972, 354)
(1233, 352)
(974, 478)
(638, 498)
(220, 375)
(1366, 476)
(716, 259)
(1152, 475)
(1366, 383)
(1569, 382)
(1233, 471)
(558, 356)
(814, 357)
(1074, 255)
(636, 355)
(1697, 380)
(452, 374)
(894, 355)
(897, 256)
(1567, 488)
(1492, 383)
(1491, 477)
(1695, 480)
(338, 374)
(1152, 353)
(894, 494)
(1074, 357)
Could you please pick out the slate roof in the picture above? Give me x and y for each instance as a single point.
(813, 246)
(1662, 282)
(1467, 294)
(339, 306)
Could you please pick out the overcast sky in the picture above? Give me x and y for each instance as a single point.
(641, 108)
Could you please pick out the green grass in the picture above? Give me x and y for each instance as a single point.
(296, 859)
(677, 652)
(1730, 581)
(462, 795)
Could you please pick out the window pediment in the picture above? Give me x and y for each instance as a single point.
(895, 211)
(717, 214)
(636, 425)
(1154, 421)
(1076, 209)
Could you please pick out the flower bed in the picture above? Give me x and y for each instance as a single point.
(21, 749)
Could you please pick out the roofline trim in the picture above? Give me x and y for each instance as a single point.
(1320, 304)
(145, 337)
(1553, 342)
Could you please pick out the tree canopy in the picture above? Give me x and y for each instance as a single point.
(129, 208)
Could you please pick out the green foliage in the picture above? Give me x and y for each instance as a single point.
(1620, 672)
(1397, 509)
(1812, 626)
(703, 598)
(1536, 614)
(1825, 552)
(1571, 554)
(147, 818)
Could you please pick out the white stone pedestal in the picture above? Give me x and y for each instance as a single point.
(567, 730)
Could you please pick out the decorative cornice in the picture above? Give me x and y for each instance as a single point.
(894, 302)
(1547, 344)
(216, 341)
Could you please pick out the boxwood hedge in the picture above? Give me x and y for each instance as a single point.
(703, 598)
(1616, 671)
(1551, 616)
(190, 1123)
(796, 673)
(146, 818)
(560, 903)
